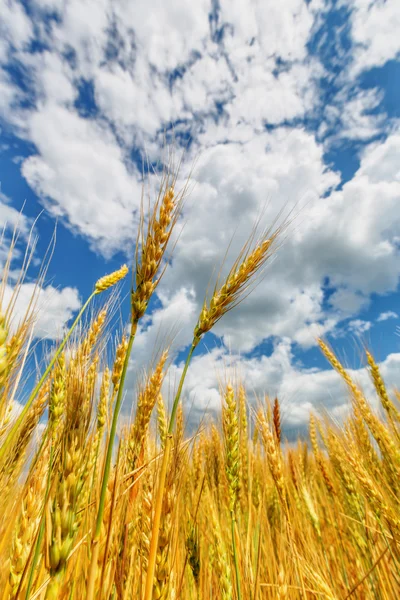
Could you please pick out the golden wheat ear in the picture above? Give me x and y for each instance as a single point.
(104, 283)
(248, 264)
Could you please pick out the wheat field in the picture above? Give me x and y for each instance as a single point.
(102, 507)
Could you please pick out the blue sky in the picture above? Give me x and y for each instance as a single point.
(296, 105)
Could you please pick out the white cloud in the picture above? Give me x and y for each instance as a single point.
(53, 78)
(375, 27)
(349, 235)
(15, 27)
(169, 325)
(300, 390)
(81, 176)
(380, 161)
(81, 171)
(356, 119)
(8, 95)
(10, 217)
(139, 105)
(13, 224)
(166, 33)
(389, 314)
(136, 91)
(360, 226)
(130, 66)
(348, 301)
(52, 310)
(358, 326)
(278, 30)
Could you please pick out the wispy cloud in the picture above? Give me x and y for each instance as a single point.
(389, 314)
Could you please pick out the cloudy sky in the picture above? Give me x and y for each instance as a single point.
(278, 106)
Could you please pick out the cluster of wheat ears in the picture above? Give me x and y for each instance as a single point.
(92, 509)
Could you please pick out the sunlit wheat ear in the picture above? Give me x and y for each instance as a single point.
(273, 455)
(26, 524)
(101, 420)
(293, 469)
(232, 447)
(162, 421)
(148, 397)
(312, 513)
(152, 246)
(248, 264)
(377, 428)
(363, 438)
(305, 459)
(277, 420)
(313, 436)
(11, 468)
(102, 407)
(163, 588)
(282, 590)
(232, 467)
(57, 395)
(371, 490)
(119, 362)
(324, 468)
(90, 341)
(197, 459)
(244, 441)
(343, 471)
(6, 418)
(319, 457)
(104, 283)
(6, 402)
(13, 353)
(213, 460)
(3, 349)
(179, 428)
(222, 561)
(144, 523)
(64, 518)
(329, 355)
(380, 388)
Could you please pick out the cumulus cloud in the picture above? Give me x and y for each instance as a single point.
(80, 175)
(169, 326)
(389, 314)
(299, 389)
(374, 30)
(143, 79)
(221, 74)
(358, 118)
(15, 27)
(289, 303)
(52, 310)
(348, 235)
(358, 326)
(239, 80)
